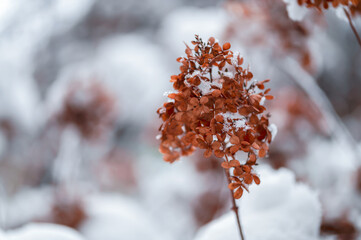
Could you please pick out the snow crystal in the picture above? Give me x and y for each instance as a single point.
(234, 59)
(229, 74)
(205, 87)
(237, 121)
(195, 73)
(165, 94)
(279, 208)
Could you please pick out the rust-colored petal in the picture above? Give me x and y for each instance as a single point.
(219, 153)
(226, 46)
(234, 163)
(262, 153)
(234, 140)
(234, 185)
(256, 179)
(238, 193)
(207, 153)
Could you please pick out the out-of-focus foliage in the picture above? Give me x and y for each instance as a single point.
(80, 82)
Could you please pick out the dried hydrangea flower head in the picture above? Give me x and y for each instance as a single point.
(319, 4)
(89, 107)
(218, 107)
(265, 23)
(354, 6)
(350, 8)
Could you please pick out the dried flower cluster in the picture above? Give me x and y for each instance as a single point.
(266, 23)
(90, 108)
(218, 107)
(353, 5)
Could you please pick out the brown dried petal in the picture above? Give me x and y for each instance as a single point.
(219, 153)
(216, 145)
(234, 140)
(252, 158)
(246, 168)
(234, 163)
(211, 40)
(225, 165)
(219, 118)
(248, 179)
(204, 100)
(238, 193)
(256, 179)
(209, 138)
(194, 101)
(234, 149)
(207, 153)
(216, 93)
(255, 146)
(202, 144)
(262, 153)
(226, 46)
(234, 185)
(237, 171)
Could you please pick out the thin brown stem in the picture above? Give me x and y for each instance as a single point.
(234, 204)
(352, 26)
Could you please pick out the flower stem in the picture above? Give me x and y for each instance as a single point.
(234, 204)
(352, 26)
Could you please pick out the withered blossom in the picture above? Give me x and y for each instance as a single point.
(353, 5)
(266, 23)
(90, 108)
(350, 8)
(216, 106)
